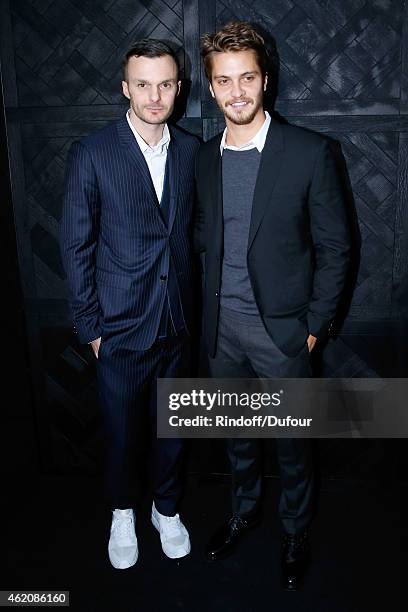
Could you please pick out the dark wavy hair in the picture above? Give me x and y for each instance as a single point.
(234, 36)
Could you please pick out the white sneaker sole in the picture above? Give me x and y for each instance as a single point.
(179, 552)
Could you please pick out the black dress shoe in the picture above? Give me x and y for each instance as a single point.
(295, 559)
(226, 537)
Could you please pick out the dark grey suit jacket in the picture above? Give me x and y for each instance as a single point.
(298, 246)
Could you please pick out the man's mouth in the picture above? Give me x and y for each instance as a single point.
(241, 104)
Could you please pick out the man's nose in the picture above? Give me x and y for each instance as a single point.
(154, 93)
(237, 90)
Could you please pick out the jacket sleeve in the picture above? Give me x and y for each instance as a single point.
(79, 237)
(331, 240)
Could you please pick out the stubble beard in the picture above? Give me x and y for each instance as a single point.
(242, 117)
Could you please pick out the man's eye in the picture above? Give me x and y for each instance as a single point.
(249, 78)
(222, 81)
(141, 85)
(166, 85)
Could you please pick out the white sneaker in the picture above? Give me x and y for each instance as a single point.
(122, 546)
(173, 535)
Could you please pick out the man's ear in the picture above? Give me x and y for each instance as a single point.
(211, 90)
(125, 90)
(265, 82)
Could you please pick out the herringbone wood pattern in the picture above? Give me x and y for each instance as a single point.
(342, 71)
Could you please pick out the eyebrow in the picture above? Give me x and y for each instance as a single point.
(161, 82)
(224, 76)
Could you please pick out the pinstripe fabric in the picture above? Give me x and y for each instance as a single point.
(127, 391)
(119, 249)
(115, 242)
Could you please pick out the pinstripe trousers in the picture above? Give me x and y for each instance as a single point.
(128, 397)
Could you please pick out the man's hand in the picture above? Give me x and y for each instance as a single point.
(95, 346)
(311, 341)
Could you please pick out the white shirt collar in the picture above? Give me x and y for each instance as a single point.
(257, 141)
(163, 144)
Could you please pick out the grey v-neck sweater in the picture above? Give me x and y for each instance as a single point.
(239, 174)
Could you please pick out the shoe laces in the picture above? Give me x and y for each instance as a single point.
(123, 527)
(236, 522)
(171, 524)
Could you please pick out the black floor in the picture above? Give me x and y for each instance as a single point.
(55, 534)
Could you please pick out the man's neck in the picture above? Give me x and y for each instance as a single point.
(151, 133)
(238, 135)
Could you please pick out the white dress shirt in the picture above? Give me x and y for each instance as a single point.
(155, 156)
(257, 141)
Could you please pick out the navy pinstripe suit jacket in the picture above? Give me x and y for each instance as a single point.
(116, 243)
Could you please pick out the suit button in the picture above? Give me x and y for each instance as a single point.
(163, 277)
(216, 294)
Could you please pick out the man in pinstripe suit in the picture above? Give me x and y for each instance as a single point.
(126, 249)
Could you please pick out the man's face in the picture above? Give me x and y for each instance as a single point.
(237, 85)
(151, 87)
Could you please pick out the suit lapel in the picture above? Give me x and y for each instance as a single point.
(173, 169)
(268, 173)
(128, 141)
(214, 183)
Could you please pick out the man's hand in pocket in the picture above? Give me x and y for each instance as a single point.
(95, 346)
(311, 341)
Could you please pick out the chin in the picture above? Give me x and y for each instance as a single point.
(241, 118)
(155, 120)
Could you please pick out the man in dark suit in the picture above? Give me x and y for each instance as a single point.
(126, 250)
(272, 232)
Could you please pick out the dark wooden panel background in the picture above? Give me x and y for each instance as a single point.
(343, 71)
